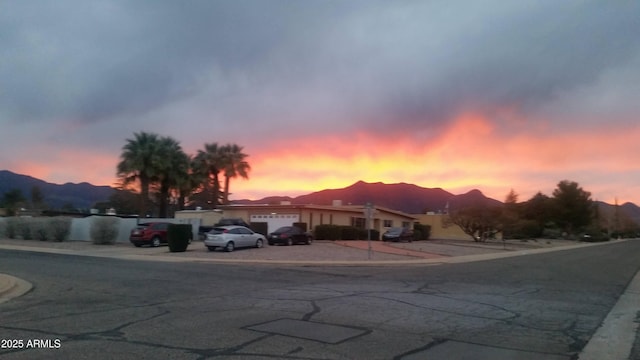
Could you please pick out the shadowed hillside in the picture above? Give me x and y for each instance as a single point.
(81, 196)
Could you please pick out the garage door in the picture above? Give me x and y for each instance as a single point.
(275, 221)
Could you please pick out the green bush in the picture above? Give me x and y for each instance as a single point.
(60, 228)
(343, 232)
(350, 233)
(178, 237)
(104, 230)
(327, 232)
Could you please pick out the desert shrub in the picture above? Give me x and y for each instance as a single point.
(40, 229)
(552, 233)
(60, 228)
(11, 227)
(25, 228)
(104, 230)
(525, 229)
(178, 236)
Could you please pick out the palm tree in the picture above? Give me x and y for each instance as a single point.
(186, 183)
(207, 165)
(171, 170)
(234, 165)
(138, 162)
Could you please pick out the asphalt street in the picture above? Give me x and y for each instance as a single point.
(544, 306)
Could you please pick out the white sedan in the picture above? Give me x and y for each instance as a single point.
(231, 237)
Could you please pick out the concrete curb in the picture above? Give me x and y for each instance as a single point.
(11, 287)
(615, 336)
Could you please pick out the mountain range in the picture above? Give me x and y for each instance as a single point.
(80, 196)
(404, 197)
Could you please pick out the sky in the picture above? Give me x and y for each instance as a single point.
(491, 95)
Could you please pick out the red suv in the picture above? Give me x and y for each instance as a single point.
(152, 234)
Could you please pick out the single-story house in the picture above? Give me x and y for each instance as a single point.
(310, 216)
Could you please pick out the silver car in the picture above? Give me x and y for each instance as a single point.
(231, 237)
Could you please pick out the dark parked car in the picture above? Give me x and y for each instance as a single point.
(289, 235)
(398, 234)
(153, 233)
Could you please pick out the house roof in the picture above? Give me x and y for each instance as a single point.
(341, 208)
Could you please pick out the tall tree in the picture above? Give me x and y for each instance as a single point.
(572, 206)
(138, 163)
(171, 170)
(235, 164)
(538, 209)
(37, 198)
(510, 214)
(12, 200)
(187, 182)
(207, 164)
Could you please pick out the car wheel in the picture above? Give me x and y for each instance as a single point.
(308, 242)
(155, 242)
(270, 243)
(259, 243)
(289, 242)
(211, 248)
(230, 246)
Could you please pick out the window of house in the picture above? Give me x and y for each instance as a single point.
(359, 222)
(387, 223)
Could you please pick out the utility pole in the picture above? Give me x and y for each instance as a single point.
(368, 212)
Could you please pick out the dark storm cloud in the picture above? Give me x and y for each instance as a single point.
(307, 64)
(92, 60)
